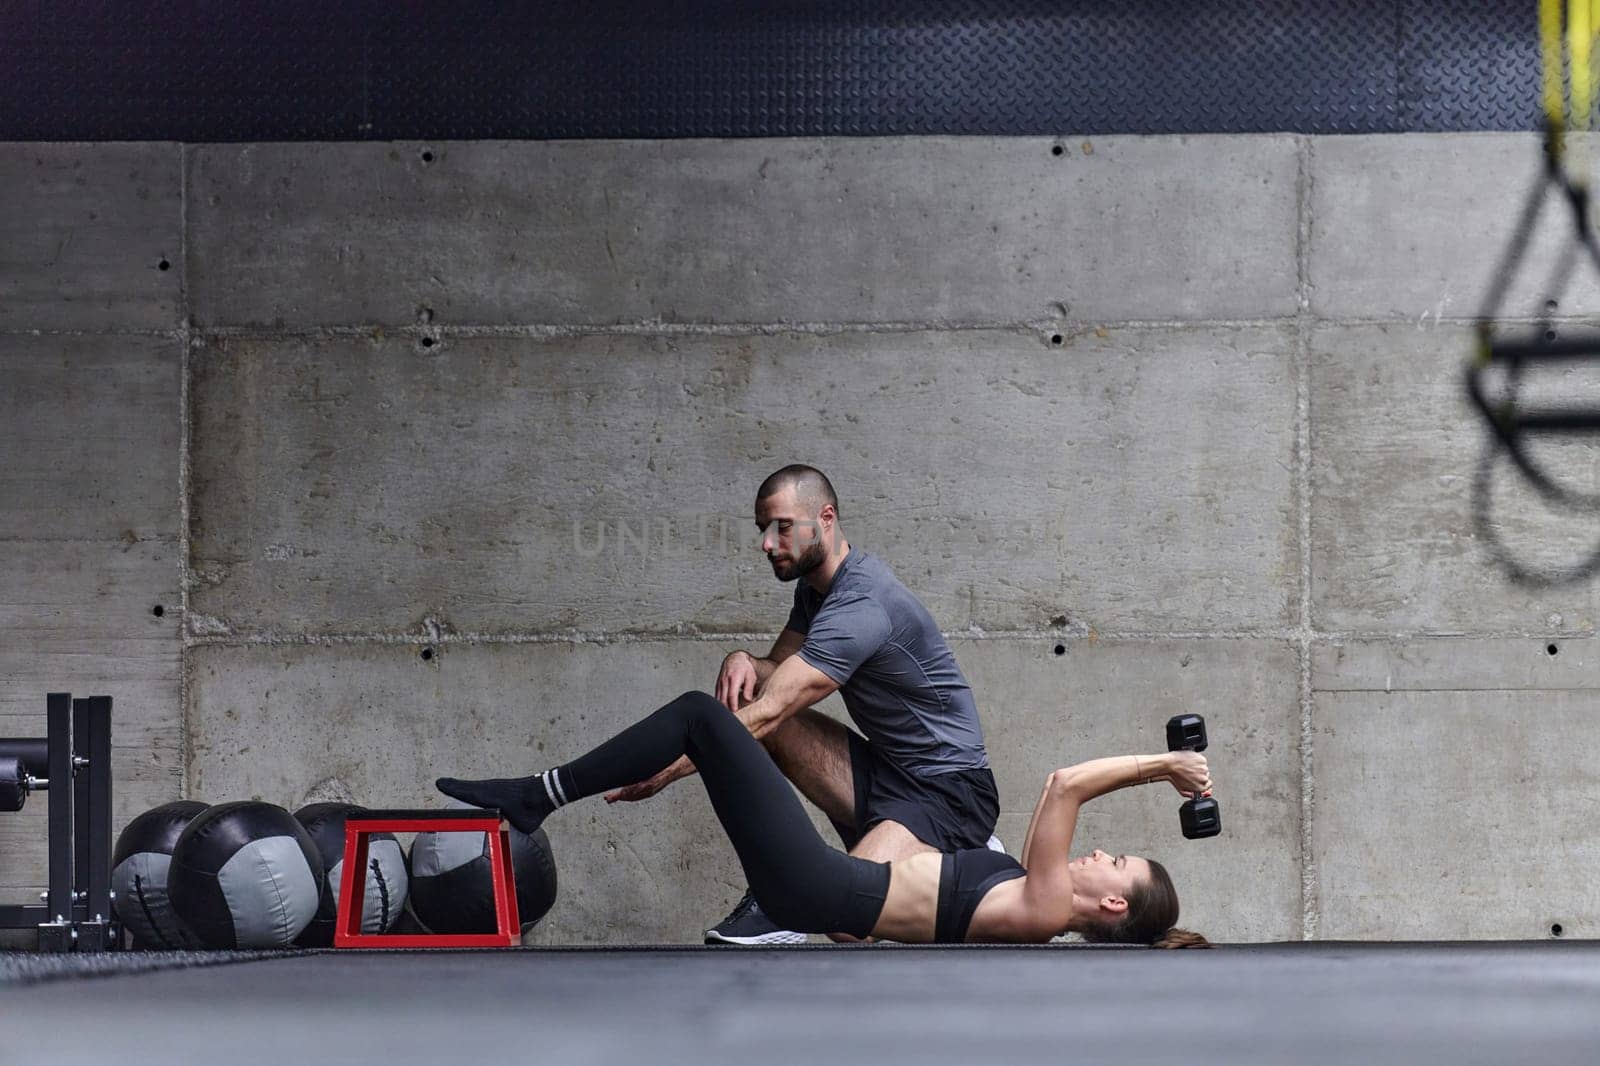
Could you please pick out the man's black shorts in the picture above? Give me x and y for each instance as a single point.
(948, 811)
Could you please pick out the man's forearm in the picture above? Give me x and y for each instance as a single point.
(764, 667)
(794, 685)
(786, 683)
(761, 716)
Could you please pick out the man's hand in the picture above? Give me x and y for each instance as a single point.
(737, 680)
(645, 789)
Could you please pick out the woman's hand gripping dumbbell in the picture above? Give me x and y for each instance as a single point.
(1200, 815)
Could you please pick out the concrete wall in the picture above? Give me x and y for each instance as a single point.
(440, 457)
(91, 430)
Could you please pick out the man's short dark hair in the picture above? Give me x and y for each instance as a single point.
(809, 484)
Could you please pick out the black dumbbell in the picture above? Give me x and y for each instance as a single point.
(1200, 816)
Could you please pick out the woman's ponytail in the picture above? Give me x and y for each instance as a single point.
(1181, 938)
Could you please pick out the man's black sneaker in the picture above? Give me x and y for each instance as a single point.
(748, 924)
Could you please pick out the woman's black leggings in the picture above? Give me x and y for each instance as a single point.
(801, 882)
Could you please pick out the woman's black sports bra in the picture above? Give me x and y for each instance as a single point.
(965, 878)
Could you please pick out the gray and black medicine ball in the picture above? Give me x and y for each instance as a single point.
(384, 887)
(245, 875)
(139, 876)
(451, 889)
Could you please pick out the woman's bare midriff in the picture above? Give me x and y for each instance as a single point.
(911, 910)
(912, 906)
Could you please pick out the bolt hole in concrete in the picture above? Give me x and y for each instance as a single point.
(1058, 150)
(1550, 305)
(427, 655)
(163, 265)
(1555, 930)
(427, 157)
(1549, 334)
(1550, 649)
(1055, 338)
(427, 342)
(158, 610)
(1061, 649)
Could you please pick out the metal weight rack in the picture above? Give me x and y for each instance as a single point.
(72, 764)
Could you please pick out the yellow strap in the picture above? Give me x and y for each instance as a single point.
(1551, 61)
(1594, 47)
(1579, 38)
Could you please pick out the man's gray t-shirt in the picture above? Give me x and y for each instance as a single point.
(899, 681)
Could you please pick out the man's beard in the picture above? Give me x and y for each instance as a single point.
(801, 565)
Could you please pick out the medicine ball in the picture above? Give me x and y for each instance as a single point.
(384, 886)
(139, 876)
(245, 875)
(451, 889)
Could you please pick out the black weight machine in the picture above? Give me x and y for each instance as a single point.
(72, 762)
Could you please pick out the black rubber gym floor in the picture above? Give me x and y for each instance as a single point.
(1286, 1003)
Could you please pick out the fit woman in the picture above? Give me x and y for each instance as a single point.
(807, 886)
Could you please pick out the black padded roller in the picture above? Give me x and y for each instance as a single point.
(13, 783)
(33, 752)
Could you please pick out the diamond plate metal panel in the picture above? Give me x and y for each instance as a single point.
(381, 69)
(728, 70)
(1470, 66)
(101, 70)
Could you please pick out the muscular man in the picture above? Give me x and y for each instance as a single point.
(916, 777)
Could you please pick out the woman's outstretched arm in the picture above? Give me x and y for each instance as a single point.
(1055, 817)
(1046, 856)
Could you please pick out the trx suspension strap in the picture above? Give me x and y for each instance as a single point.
(1496, 372)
